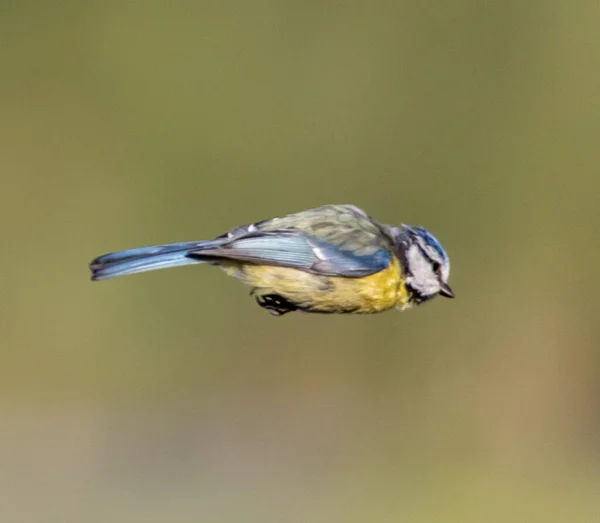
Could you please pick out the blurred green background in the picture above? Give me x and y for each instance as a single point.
(171, 396)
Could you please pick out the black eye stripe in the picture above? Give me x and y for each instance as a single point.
(402, 253)
(435, 265)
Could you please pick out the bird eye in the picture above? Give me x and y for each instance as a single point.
(436, 266)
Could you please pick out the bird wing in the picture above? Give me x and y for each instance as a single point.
(296, 249)
(346, 226)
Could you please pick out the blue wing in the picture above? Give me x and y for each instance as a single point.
(334, 240)
(297, 250)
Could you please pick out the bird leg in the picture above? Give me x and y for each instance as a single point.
(275, 304)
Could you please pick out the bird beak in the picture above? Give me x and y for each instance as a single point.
(446, 291)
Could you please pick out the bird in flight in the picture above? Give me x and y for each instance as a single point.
(331, 259)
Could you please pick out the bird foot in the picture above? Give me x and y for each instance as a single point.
(275, 304)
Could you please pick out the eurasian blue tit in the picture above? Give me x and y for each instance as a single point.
(332, 259)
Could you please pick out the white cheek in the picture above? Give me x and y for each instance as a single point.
(417, 263)
(422, 279)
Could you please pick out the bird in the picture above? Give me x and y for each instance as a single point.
(330, 259)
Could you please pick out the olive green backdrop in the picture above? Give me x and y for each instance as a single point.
(170, 396)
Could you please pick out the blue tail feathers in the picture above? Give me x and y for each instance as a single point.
(145, 259)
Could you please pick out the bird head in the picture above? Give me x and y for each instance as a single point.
(427, 264)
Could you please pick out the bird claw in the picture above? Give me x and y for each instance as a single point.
(275, 304)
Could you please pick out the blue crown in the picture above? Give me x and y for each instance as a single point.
(429, 239)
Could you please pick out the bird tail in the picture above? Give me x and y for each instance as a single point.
(145, 259)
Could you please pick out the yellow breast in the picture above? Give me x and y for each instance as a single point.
(375, 293)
